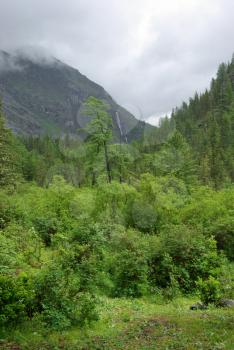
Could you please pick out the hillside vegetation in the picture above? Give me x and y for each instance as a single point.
(106, 246)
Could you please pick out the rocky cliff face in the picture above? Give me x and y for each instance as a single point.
(46, 96)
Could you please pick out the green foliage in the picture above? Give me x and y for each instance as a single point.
(99, 129)
(177, 159)
(60, 299)
(226, 279)
(129, 266)
(7, 156)
(122, 157)
(99, 219)
(16, 299)
(65, 289)
(212, 212)
(210, 290)
(46, 227)
(158, 202)
(82, 205)
(207, 124)
(144, 217)
(20, 248)
(184, 256)
(113, 202)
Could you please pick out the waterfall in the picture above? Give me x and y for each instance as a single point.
(123, 135)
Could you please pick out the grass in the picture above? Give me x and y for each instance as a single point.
(135, 324)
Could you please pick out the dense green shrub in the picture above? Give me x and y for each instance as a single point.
(184, 255)
(128, 265)
(209, 290)
(20, 247)
(144, 217)
(130, 274)
(114, 239)
(9, 260)
(158, 202)
(46, 227)
(61, 299)
(226, 279)
(9, 211)
(16, 299)
(82, 206)
(113, 202)
(223, 231)
(212, 213)
(65, 288)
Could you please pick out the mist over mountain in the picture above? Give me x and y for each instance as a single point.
(42, 95)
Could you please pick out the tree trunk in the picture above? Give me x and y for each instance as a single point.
(108, 169)
(93, 178)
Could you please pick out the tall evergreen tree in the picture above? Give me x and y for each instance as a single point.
(7, 161)
(207, 123)
(99, 128)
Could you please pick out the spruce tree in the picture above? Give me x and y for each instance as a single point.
(99, 128)
(7, 163)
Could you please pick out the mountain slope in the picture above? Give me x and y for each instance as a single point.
(45, 96)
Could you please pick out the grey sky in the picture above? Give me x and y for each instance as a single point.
(149, 55)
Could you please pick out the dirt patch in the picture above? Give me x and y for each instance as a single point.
(9, 346)
(156, 328)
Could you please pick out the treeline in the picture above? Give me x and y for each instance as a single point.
(89, 163)
(207, 123)
(200, 131)
(39, 159)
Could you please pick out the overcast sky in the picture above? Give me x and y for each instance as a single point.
(150, 55)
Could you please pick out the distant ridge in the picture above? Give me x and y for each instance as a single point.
(42, 95)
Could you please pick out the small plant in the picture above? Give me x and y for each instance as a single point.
(209, 290)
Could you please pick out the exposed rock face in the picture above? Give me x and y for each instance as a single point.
(46, 96)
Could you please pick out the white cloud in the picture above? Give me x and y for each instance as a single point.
(149, 54)
(155, 118)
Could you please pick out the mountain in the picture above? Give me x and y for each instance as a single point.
(42, 95)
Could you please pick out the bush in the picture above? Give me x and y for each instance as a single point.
(113, 201)
(46, 227)
(129, 265)
(144, 217)
(184, 255)
(9, 259)
(172, 290)
(19, 247)
(61, 300)
(226, 279)
(9, 211)
(65, 289)
(223, 231)
(130, 274)
(16, 299)
(212, 212)
(209, 290)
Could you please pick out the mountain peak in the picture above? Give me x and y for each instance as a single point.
(19, 59)
(42, 95)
